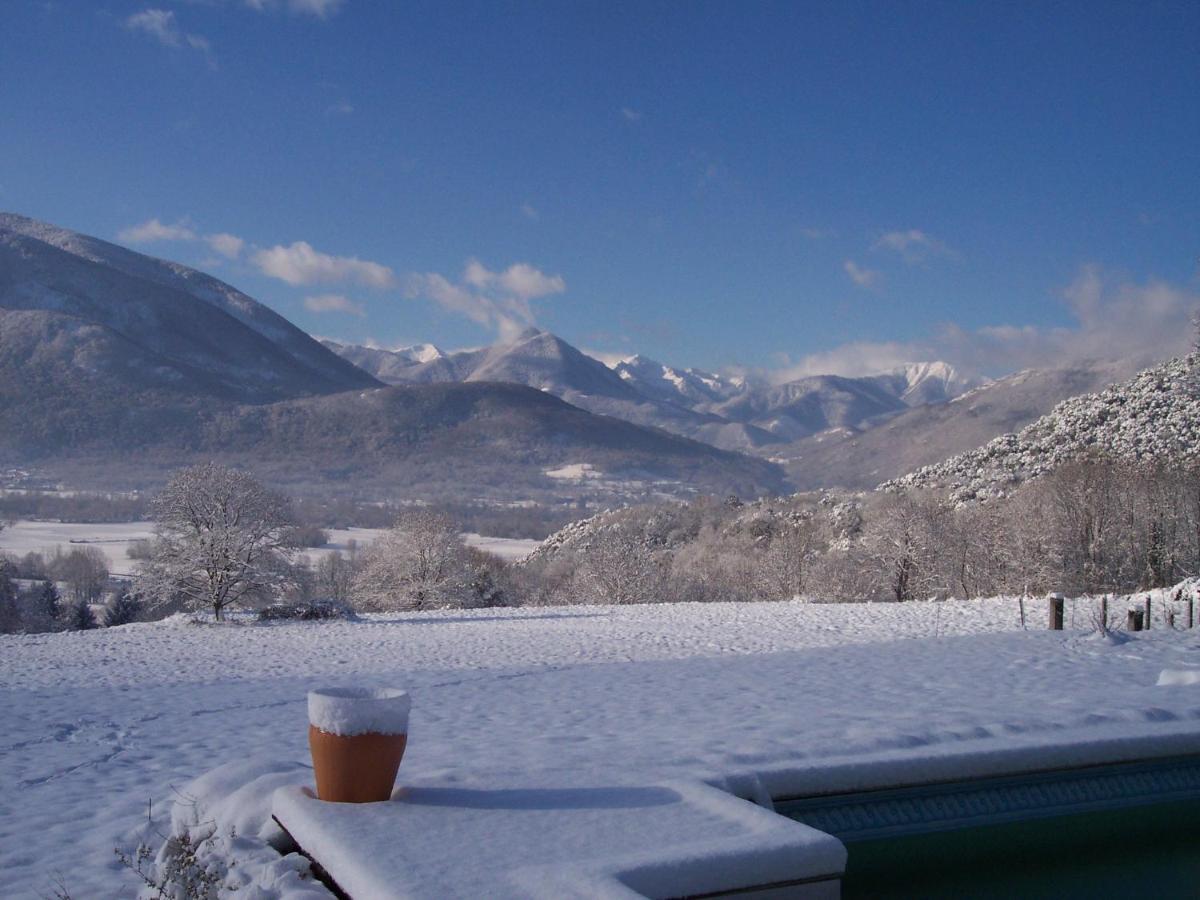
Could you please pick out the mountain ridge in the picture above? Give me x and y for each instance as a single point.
(114, 364)
(1154, 416)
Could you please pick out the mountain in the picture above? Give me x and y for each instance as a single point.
(687, 386)
(727, 412)
(419, 364)
(544, 361)
(217, 339)
(116, 368)
(796, 409)
(1154, 416)
(808, 405)
(547, 362)
(825, 430)
(923, 383)
(921, 436)
(478, 440)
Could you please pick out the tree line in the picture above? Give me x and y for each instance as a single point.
(1092, 526)
(223, 541)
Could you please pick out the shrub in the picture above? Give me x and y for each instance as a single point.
(317, 610)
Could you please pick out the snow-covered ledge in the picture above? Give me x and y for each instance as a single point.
(669, 839)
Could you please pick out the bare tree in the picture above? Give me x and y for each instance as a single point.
(621, 565)
(712, 568)
(903, 538)
(333, 576)
(796, 541)
(85, 570)
(218, 540)
(419, 563)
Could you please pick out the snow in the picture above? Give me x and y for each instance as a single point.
(505, 548)
(1171, 677)
(26, 536)
(1151, 417)
(115, 539)
(759, 699)
(227, 812)
(351, 711)
(574, 839)
(574, 472)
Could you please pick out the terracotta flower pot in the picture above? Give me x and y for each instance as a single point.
(357, 737)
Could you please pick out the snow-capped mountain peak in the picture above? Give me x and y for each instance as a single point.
(421, 353)
(922, 383)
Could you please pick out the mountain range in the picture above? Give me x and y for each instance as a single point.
(117, 366)
(862, 458)
(735, 413)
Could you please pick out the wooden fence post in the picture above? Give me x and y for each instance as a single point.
(1056, 612)
(1147, 619)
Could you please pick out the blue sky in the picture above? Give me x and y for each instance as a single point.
(796, 187)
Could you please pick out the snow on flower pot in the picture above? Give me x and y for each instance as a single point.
(357, 737)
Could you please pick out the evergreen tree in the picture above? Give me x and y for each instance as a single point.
(123, 609)
(80, 616)
(48, 606)
(10, 614)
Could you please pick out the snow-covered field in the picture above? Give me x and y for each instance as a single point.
(505, 548)
(114, 539)
(99, 724)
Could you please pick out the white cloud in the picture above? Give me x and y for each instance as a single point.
(609, 358)
(630, 115)
(816, 234)
(863, 277)
(298, 263)
(228, 245)
(1111, 318)
(341, 108)
(519, 280)
(499, 300)
(851, 360)
(327, 303)
(913, 245)
(529, 211)
(321, 9)
(153, 230)
(162, 26)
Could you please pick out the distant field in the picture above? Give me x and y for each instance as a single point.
(114, 539)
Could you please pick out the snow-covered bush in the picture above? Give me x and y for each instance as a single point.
(222, 843)
(419, 563)
(312, 611)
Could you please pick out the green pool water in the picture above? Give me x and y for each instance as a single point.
(1148, 851)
